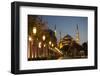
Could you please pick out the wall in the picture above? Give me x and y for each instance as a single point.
(5, 45)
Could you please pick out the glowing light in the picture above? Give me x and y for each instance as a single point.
(34, 30)
(49, 42)
(44, 45)
(32, 56)
(30, 39)
(52, 45)
(43, 37)
(39, 45)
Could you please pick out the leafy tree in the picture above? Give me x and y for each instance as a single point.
(85, 48)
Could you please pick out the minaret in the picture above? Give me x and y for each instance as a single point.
(77, 35)
(60, 36)
(60, 41)
(55, 30)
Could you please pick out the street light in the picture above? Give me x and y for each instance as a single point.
(52, 45)
(44, 45)
(43, 48)
(43, 37)
(34, 30)
(49, 42)
(39, 45)
(34, 41)
(30, 39)
(30, 48)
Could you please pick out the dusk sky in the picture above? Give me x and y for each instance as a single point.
(67, 25)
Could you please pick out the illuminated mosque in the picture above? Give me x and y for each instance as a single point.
(71, 47)
(43, 44)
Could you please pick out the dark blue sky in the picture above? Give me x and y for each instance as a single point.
(67, 25)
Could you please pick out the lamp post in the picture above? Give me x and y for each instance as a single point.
(39, 51)
(30, 48)
(34, 39)
(39, 45)
(50, 43)
(43, 38)
(34, 30)
(44, 45)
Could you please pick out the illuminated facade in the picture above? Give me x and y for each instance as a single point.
(68, 39)
(42, 43)
(71, 47)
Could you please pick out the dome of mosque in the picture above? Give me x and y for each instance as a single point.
(67, 37)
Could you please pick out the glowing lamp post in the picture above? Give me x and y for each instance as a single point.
(39, 45)
(44, 45)
(52, 45)
(43, 37)
(34, 30)
(49, 42)
(30, 39)
(34, 42)
(30, 48)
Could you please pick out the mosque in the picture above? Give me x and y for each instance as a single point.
(71, 47)
(43, 44)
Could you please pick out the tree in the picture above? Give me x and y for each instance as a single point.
(85, 48)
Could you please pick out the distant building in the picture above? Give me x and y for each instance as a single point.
(71, 47)
(67, 40)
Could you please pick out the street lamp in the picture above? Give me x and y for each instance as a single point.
(30, 39)
(43, 37)
(52, 45)
(49, 42)
(44, 45)
(30, 48)
(39, 45)
(34, 42)
(43, 48)
(34, 30)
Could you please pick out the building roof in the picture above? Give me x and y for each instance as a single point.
(67, 37)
